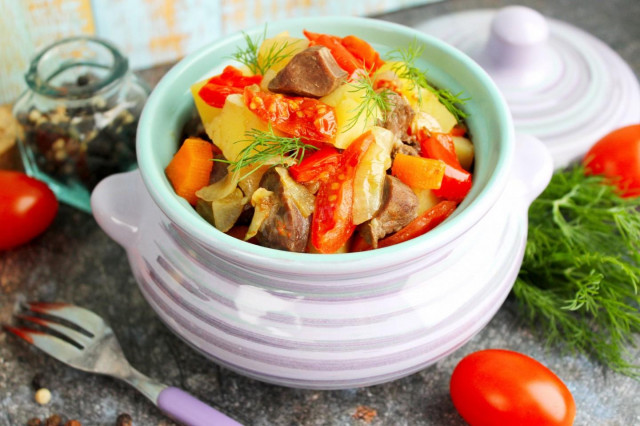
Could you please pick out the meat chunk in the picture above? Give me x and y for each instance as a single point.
(219, 169)
(399, 117)
(313, 73)
(285, 228)
(406, 148)
(399, 207)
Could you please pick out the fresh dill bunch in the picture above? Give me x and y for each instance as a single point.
(406, 68)
(265, 147)
(248, 55)
(581, 269)
(374, 101)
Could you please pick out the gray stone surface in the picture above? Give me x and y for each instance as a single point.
(74, 261)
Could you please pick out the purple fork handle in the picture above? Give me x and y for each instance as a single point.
(190, 411)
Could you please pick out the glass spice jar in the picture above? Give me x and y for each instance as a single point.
(79, 116)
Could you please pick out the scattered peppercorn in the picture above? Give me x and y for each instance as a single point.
(34, 422)
(124, 419)
(53, 420)
(43, 396)
(367, 414)
(73, 423)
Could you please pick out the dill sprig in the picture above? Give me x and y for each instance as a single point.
(249, 55)
(406, 68)
(265, 147)
(374, 102)
(581, 269)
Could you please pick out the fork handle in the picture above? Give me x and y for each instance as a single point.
(190, 411)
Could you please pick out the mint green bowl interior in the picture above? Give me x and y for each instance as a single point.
(171, 104)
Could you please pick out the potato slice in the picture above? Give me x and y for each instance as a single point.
(426, 199)
(432, 106)
(207, 112)
(228, 129)
(464, 151)
(347, 101)
(282, 47)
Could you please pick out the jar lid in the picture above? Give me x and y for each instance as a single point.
(563, 85)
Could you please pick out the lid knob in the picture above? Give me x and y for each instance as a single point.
(517, 53)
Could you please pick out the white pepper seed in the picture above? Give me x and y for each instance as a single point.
(43, 396)
(58, 144)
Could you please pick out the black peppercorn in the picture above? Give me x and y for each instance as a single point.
(124, 419)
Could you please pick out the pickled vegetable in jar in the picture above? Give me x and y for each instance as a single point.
(79, 116)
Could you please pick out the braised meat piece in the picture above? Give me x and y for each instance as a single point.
(399, 207)
(219, 169)
(313, 73)
(399, 117)
(406, 148)
(285, 228)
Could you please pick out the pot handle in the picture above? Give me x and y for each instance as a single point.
(532, 168)
(115, 203)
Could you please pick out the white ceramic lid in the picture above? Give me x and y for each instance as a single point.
(562, 85)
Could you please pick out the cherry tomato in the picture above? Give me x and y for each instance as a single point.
(27, 208)
(301, 117)
(501, 387)
(617, 156)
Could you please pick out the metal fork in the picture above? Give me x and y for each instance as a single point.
(101, 353)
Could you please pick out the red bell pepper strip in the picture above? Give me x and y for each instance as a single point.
(332, 223)
(317, 166)
(301, 117)
(439, 146)
(421, 225)
(230, 82)
(456, 182)
(343, 57)
(458, 130)
(363, 51)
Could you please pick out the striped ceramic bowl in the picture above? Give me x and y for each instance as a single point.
(327, 321)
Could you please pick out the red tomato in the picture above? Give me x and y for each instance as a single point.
(617, 156)
(501, 387)
(300, 117)
(27, 208)
(316, 166)
(230, 82)
(332, 223)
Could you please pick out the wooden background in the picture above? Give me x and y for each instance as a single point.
(149, 32)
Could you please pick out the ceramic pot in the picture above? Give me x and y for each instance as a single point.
(327, 321)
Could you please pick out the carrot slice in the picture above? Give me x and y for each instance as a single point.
(422, 224)
(418, 172)
(190, 168)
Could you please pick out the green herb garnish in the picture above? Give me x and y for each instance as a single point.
(266, 147)
(581, 268)
(408, 70)
(259, 65)
(374, 102)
